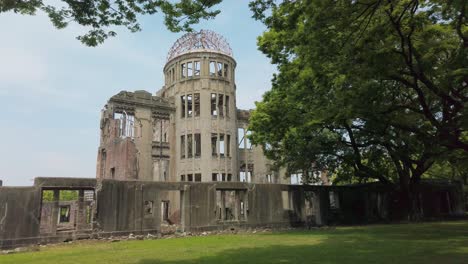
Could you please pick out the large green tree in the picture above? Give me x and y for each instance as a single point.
(374, 89)
(101, 17)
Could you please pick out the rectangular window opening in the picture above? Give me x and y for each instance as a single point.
(228, 145)
(248, 144)
(198, 177)
(148, 207)
(220, 104)
(189, 146)
(196, 68)
(64, 216)
(190, 177)
(126, 124)
(214, 142)
(220, 69)
(196, 101)
(183, 70)
(225, 74)
(214, 112)
(214, 177)
(182, 146)
(189, 105)
(241, 135)
(221, 145)
(197, 145)
(226, 110)
(182, 178)
(212, 68)
(182, 106)
(189, 69)
(165, 211)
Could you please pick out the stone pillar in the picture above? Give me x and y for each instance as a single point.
(55, 212)
(81, 214)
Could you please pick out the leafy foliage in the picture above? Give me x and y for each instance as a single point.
(101, 16)
(374, 90)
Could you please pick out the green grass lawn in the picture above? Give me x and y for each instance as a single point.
(440, 242)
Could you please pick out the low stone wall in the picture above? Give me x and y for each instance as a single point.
(137, 207)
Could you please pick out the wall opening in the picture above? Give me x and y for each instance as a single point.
(189, 146)
(148, 208)
(182, 146)
(164, 211)
(189, 105)
(214, 150)
(196, 68)
(197, 145)
(214, 112)
(196, 101)
(212, 68)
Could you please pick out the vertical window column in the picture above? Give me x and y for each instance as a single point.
(189, 105)
(182, 106)
(214, 111)
(182, 146)
(214, 143)
(196, 104)
(189, 146)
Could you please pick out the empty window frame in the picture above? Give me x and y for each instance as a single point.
(164, 210)
(148, 207)
(214, 112)
(222, 146)
(196, 68)
(190, 177)
(182, 106)
(212, 68)
(296, 178)
(269, 178)
(126, 124)
(197, 138)
(183, 69)
(246, 172)
(226, 106)
(220, 104)
(198, 177)
(220, 69)
(228, 145)
(196, 104)
(214, 177)
(189, 146)
(189, 69)
(189, 105)
(248, 144)
(241, 137)
(182, 146)
(225, 73)
(229, 177)
(64, 214)
(112, 173)
(182, 177)
(214, 147)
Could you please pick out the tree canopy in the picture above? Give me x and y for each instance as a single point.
(375, 90)
(103, 16)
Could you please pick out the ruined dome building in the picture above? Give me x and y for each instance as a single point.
(180, 161)
(191, 131)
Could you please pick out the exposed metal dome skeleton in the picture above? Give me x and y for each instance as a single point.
(204, 40)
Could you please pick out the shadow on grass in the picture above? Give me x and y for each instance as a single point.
(377, 244)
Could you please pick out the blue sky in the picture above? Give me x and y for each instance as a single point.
(53, 87)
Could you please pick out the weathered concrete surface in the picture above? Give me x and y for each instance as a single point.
(19, 216)
(142, 207)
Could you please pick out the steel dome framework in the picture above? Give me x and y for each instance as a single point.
(204, 40)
